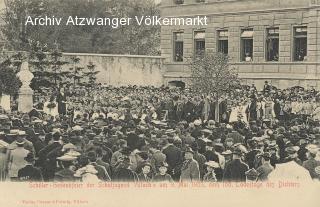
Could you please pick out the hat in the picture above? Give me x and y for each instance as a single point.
(207, 131)
(77, 128)
(227, 152)
(265, 155)
(252, 174)
(212, 164)
(229, 139)
(145, 164)
(73, 153)
(170, 131)
(56, 134)
(206, 140)
(189, 149)
(66, 158)
(68, 146)
(22, 133)
(163, 164)
(20, 142)
(312, 148)
(13, 132)
(197, 122)
(3, 144)
(29, 157)
(3, 117)
(292, 149)
(125, 151)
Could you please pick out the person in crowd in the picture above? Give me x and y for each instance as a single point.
(29, 173)
(190, 168)
(48, 155)
(4, 158)
(236, 169)
(146, 174)
(266, 168)
(110, 133)
(17, 160)
(162, 175)
(313, 163)
(210, 176)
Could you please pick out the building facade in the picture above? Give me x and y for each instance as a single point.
(273, 40)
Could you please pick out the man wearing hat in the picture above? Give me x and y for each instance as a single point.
(144, 176)
(292, 154)
(47, 159)
(289, 171)
(190, 168)
(4, 156)
(210, 176)
(102, 172)
(312, 165)
(115, 159)
(66, 174)
(200, 158)
(236, 169)
(266, 168)
(30, 173)
(123, 172)
(16, 160)
(162, 175)
(173, 158)
(21, 137)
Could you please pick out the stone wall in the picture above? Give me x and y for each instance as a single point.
(119, 70)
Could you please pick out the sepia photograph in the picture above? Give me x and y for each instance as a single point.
(106, 102)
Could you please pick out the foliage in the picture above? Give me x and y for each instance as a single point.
(9, 82)
(129, 39)
(212, 74)
(92, 73)
(76, 72)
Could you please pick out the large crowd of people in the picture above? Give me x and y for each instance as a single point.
(145, 134)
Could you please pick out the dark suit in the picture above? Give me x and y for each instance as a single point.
(62, 107)
(235, 171)
(251, 111)
(124, 174)
(144, 178)
(47, 159)
(174, 160)
(30, 173)
(188, 114)
(64, 175)
(102, 172)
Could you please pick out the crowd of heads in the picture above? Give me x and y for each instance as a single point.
(126, 133)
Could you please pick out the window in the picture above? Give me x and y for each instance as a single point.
(199, 43)
(179, 1)
(223, 41)
(272, 44)
(247, 45)
(178, 46)
(300, 44)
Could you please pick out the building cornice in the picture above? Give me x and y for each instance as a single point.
(317, 7)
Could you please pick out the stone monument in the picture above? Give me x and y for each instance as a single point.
(25, 101)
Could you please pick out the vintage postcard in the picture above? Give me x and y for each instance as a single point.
(159, 103)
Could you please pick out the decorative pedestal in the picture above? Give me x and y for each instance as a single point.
(25, 101)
